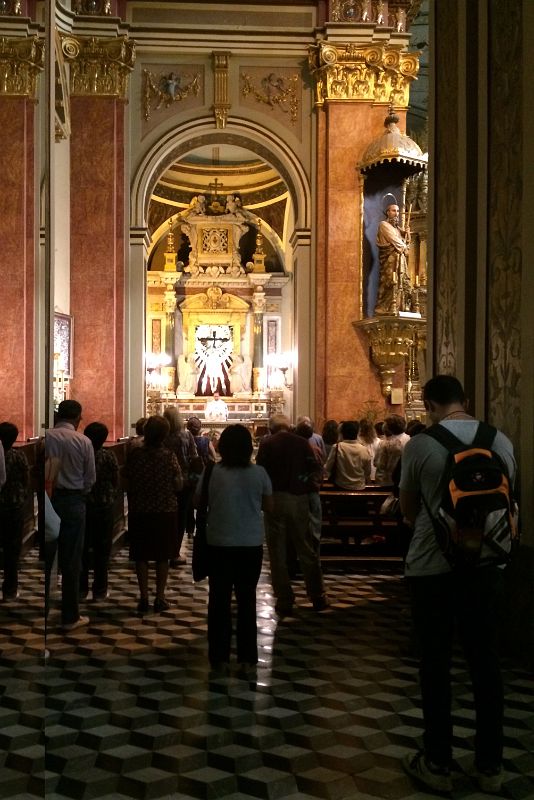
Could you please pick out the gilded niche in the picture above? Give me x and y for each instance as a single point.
(378, 73)
(99, 66)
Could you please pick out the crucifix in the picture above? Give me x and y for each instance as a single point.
(215, 185)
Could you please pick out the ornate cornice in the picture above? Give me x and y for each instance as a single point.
(376, 74)
(99, 67)
(21, 60)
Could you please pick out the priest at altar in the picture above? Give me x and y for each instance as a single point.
(216, 410)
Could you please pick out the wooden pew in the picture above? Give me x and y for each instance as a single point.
(352, 524)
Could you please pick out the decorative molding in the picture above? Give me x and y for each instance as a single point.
(276, 92)
(377, 73)
(10, 8)
(221, 101)
(504, 252)
(392, 341)
(164, 90)
(99, 67)
(62, 117)
(21, 60)
(95, 8)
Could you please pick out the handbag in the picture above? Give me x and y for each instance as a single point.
(200, 557)
(390, 507)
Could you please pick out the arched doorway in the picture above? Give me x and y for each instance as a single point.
(272, 193)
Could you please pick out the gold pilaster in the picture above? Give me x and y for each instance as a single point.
(221, 102)
(376, 74)
(21, 60)
(99, 67)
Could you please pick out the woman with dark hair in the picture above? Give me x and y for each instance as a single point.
(99, 514)
(237, 492)
(206, 453)
(153, 476)
(368, 437)
(330, 434)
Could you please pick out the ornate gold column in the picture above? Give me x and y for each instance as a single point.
(99, 69)
(21, 61)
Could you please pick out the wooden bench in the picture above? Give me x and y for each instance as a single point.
(352, 524)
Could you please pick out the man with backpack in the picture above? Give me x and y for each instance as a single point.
(456, 492)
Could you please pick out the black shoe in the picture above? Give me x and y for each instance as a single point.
(142, 606)
(177, 562)
(161, 605)
(430, 775)
(284, 610)
(321, 604)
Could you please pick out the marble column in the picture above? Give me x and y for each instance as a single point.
(18, 234)
(98, 88)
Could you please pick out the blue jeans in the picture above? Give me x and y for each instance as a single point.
(233, 569)
(471, 602)
(70, 507)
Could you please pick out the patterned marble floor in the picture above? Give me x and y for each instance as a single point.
(132, 711)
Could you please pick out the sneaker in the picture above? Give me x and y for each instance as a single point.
(490, 780)
(426, 773)
(161, 605)
(142, 606)
(80, 622)
(321, 604)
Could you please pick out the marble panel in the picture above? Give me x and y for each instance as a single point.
(17, 266)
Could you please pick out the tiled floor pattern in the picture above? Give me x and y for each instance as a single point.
(132, 711)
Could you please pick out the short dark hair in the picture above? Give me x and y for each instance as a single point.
(97, 432)
(155, 431)
(235, 446)
(194, 425)
(444, 390)
(140, 426)
(349, 429)
(414, 427)
(69, 410)
(304, 429)
(330, 432)
(395, 424)
(8, 434)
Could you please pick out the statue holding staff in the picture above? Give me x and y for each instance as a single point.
(393, 243)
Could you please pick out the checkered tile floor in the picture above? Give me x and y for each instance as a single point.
(132, 711)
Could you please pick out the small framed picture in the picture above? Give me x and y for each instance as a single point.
(63, 336)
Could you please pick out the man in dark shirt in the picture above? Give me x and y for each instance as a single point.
(294, 472)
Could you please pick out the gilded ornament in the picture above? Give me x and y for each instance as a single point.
(276, 92)
(21, 60)
(164, 90)
(10, 8)
(378, 73)
(221, 100)
(99, 66)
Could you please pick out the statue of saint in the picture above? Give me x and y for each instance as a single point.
(393, 243)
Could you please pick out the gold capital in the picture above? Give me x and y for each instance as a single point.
(21, 60)
(377, 73)
(99, 66)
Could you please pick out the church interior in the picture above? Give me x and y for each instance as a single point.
(192, 194)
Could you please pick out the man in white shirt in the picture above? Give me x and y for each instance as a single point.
(74, 479)
(216, 409)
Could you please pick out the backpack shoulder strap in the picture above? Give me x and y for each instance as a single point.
(445, 438)
(484, 436)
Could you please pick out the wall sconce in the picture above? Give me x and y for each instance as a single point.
(153, 363)
(279, 364)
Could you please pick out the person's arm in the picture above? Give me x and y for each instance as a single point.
(267, 503)
(2, 466)
(410, 503)
(89, 477)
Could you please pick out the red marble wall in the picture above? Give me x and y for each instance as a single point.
(97, 259)
(17, 264)
(346, 378)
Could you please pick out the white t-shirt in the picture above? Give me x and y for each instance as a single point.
(423, 464)
(234, 505)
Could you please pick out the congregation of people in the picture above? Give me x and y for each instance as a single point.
(259, 492)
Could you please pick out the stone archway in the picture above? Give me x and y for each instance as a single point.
(157, 159)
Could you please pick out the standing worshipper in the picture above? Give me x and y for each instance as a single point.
(294, 473)
(99, 521)
(153, 477)
(13, 495)
(445, 598)
(73, 483)
(390, 449)
(206, 453)
(237, 492)
(349, 463)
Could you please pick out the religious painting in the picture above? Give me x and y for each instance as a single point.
(63, 336)
(214, 345)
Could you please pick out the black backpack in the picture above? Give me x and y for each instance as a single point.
(475, 524)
